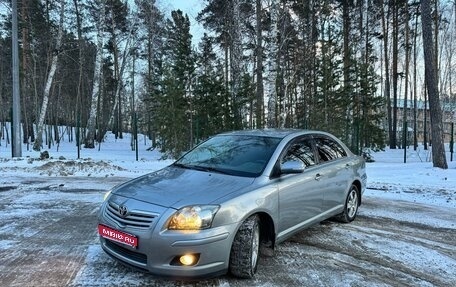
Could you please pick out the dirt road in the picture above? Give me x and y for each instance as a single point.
(48, 238)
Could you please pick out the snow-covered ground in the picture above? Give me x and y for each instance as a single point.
(415, 181)
(403, 235)
(114, 157)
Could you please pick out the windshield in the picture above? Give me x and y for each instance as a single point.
(231, 154)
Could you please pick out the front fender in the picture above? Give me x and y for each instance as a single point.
(237, 209)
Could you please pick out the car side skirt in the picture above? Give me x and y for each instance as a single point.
(284, 235)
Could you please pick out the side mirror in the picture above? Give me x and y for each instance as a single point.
(292, 166)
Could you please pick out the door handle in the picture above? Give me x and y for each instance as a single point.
(317, 176)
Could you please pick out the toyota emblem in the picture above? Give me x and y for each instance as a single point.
(123, 211)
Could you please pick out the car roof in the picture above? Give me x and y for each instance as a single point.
(276, 133)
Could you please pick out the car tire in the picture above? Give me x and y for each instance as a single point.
(246, 249)
(351, 206)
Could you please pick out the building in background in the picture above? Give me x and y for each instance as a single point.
(422, 114)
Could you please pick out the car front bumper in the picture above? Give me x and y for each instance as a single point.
(158, 248)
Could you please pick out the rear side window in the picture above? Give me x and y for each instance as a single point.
(329, 149)
(301, 150)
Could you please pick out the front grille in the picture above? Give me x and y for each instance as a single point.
(134, 218)
(127, 253)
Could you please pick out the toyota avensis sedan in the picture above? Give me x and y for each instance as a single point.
(237, 193)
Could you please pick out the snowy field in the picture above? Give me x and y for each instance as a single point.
(403, 236)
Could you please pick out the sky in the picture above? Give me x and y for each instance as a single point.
(189, 7)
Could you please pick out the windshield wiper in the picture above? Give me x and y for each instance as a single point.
(201, 168)
(212, 169)
(183, 165)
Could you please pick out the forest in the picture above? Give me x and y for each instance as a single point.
(343, 66)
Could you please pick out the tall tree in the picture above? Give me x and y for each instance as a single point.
(217, 17)
(175, 117)
(438, 148)
(236, 58)
(119, 29)
(98, 16)
(407, 64)
(211, 101)
(259, 66)
(386, 57)
(348, 85)
(395, 73)
(415, 88)
(49, 81)
(152, 24)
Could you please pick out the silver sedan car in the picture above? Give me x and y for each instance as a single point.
(215, 208)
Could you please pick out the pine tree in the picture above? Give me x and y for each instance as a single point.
(438, 148)
(210, 102)
(175, 111)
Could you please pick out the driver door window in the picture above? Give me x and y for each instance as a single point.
(302, 151)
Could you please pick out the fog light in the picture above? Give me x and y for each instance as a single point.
(188, 259)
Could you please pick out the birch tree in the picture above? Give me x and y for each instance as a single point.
(97, 76)
(272, 71)
(259, 67)
(40, 126)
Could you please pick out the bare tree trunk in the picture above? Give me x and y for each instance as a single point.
(236, 62)
(387, 74)
(259, 68)
(346, 58)
(97, 75)
(425, 127)
(415, 84)
(117, 111)
(120, 72)
(27, 130)
(393, 140)
(272, 101)
(407, 64)
(50, 78)
(279, 80)
(436, 39)
(81, 65)
(438, 148)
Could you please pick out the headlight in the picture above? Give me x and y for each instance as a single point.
(193, 217)
(107, 194)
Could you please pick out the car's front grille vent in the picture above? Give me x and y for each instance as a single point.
(134, 218)
(132, 255)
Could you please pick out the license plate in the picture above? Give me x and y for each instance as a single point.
(117, 236)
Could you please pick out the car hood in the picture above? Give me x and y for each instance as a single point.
(177, 187)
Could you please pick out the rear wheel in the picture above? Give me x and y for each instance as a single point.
(245, 250)
(351, 206)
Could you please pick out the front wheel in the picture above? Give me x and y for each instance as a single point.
(351, 206)
(245, 250)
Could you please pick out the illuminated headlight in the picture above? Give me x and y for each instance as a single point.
(107, 194)
(193, 217)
